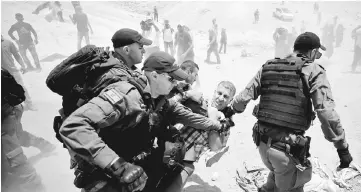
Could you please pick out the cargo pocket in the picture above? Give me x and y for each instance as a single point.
(16, 157)
(303, 177)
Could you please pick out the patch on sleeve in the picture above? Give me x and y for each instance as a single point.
(113, 96)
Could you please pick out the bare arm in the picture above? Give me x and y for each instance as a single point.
(10, 33)
(90, 27)
(34, 32)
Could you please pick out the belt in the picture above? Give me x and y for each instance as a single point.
(284, 147)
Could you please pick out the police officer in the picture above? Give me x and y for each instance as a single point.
(17, 174)
(128, 51)
(288, 88)
(113, 128)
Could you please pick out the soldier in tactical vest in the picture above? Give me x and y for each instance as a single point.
(288, 87)
(114, 133)
(17, 174)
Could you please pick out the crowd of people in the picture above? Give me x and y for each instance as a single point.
(130, 129)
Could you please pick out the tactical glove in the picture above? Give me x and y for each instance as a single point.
(131, 177)
(228, 112)
(345, 157)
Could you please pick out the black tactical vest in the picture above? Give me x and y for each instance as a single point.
(285, 100)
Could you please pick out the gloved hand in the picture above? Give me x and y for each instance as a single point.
(228, 112)
(345, 158)
(131, 177)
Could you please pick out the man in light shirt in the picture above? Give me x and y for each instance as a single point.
(154, 35)
(168, 37)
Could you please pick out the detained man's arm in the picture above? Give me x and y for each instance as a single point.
(252, 91)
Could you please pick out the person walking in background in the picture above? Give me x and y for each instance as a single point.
(223, 41)
(168, 37)
(184, 43)
(213, 44)
(339, 34)
(356, 34)
(83, 25)
(155, 14)
(256, 16)
(280, 37)
(154, 35)
(25, 41)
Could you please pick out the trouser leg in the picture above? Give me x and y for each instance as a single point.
(35, 56)
(22, 50)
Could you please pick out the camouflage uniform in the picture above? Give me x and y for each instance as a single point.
(284, 175)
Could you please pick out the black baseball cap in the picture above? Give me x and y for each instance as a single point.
(162, 62)
(127, 36)
(308, 40)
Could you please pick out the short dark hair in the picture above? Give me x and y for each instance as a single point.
(228, 85)
(189, 65)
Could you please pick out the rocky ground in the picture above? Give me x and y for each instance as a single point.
(59, 39)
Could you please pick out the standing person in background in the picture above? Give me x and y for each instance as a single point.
(356, 34)
(256, 16)
(25, 41)
(82, 22)
(339, 34)
(155, 14)
(213, 44)
(168, 37)
(184, 43)
(154, 35)
(280, 37)
(223, 41)
(8, 51)
(316, 7)
(328, 36)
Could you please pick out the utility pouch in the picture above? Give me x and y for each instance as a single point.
(301, 150)
(56, 126)
(256, 134)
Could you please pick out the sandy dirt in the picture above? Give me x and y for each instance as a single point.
(106, 17)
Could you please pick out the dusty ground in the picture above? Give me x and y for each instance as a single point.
(237, 17)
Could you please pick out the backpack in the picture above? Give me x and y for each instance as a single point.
(82, 76)
(77, 77)
(12, 92)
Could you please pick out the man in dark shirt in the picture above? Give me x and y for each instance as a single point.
(25, 41)
(185, 45)
(82, 24)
